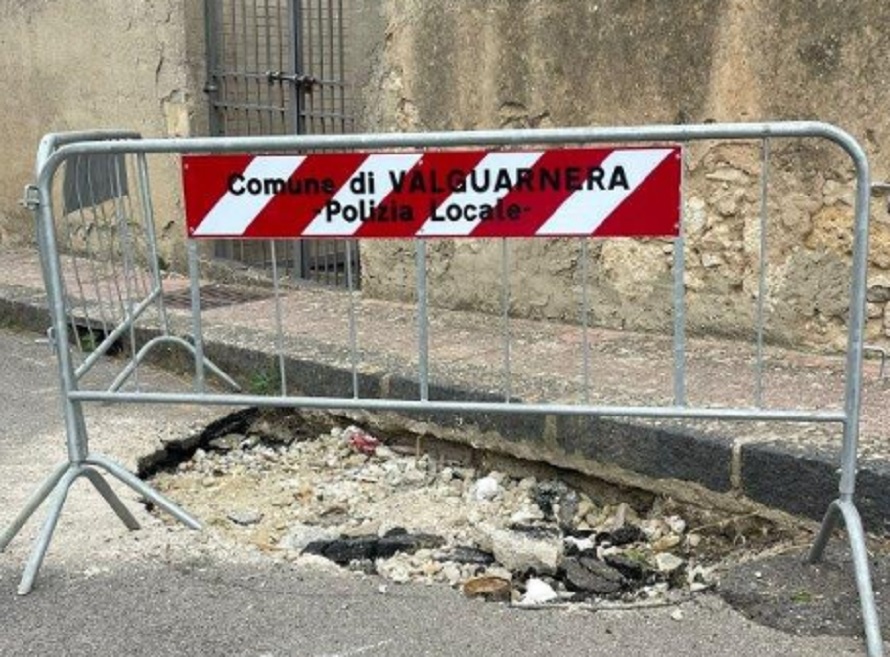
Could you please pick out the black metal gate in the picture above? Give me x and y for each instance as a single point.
(278, 67)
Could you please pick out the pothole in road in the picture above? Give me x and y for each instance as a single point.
(310, 486)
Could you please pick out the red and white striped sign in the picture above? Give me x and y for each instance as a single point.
(631, 192)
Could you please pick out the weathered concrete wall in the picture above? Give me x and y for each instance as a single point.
(74, 65)
(464, 64)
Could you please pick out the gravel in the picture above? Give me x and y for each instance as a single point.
(346, 496)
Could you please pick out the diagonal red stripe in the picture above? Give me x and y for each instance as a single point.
(535, 206)
(288, 214)
(204, 181)
(653, 210)
(402, 213)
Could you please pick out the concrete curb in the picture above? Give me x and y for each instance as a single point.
(801, 481)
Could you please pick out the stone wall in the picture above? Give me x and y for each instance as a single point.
(449, 64)
(464, 64)
(74, 65)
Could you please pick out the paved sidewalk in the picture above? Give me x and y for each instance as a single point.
(788, 466)
(165, 590)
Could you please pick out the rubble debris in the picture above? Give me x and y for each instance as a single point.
(624, 535)
(345, 550)
(345, 497)
(464, 554)
(537, 592)
(632, 567)
(246, 517)
(227, 443)
(488, 587)
(360, 440)
(524, 551)
(486, 489)
(588, 574)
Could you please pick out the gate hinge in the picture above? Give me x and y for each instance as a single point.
(300, 80)
(31, 197)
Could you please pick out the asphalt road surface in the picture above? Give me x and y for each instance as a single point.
(164, 590)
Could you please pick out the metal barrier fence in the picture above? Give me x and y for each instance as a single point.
(99, 259)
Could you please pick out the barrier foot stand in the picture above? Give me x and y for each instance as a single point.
(113, 500)
(58, 484)
(142, 488)
(49, 526)
(32, 505)
(845, 509)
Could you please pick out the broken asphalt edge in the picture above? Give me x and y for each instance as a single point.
(672, 459)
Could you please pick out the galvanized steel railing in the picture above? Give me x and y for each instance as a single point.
(135, 285)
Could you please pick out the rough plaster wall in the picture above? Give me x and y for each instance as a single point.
(74, 65)
(464, 64)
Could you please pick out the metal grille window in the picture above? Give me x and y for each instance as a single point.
(278, 67)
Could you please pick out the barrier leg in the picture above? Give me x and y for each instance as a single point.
(113, 500)
(143, 353)
(829, 523)
(32, 505)
(46, 532)
(58, 484)
(143, 489)
(856, 535)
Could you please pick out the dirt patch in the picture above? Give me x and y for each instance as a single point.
(781, 591)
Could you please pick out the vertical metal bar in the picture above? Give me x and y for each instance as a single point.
(283, 63)
(505, 318)
(331, 93)
(244, 79)
(585, 317)
(129, 266)
(295, 21)
(256, 67)
(212, 35)
(137, 237)
(679, 301)
(279, 326)
(856, 329)
(149, 217)
(268, 66)
(233, 84)
(113, 276)
(296, 54)
(761, 279)
(340, 250)
(309, 99)
(353, 337)
(73, 257)
(197, 331)
(89, 231)
(322, 74)
(76, 436)
(341, 41)
(423, 346)
(234, 95)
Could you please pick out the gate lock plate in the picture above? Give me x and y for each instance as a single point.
(300, 80)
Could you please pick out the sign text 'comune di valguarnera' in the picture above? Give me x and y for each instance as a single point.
(568, 191)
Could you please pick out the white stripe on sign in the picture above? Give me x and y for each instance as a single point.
(584, 211)
(344, 213)
(233, 213)
(494, 162)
